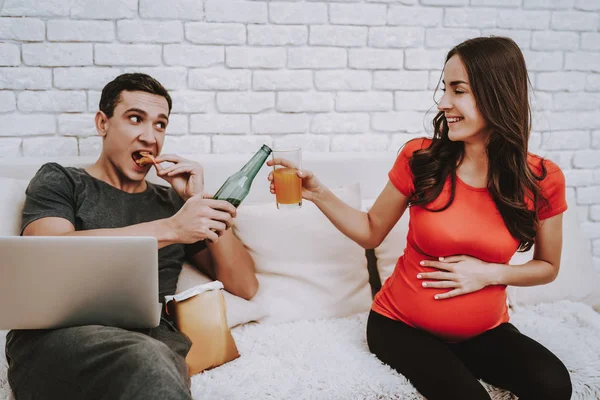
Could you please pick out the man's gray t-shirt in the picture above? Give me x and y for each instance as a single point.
(89, 203)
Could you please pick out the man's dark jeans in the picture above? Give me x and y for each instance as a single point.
(98, 362)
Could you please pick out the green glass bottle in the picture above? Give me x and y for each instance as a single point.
(237, 186)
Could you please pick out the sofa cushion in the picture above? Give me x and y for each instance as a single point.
(239, 310)
(12, 199)
(577, 279)
(392, 247)
(305, 267)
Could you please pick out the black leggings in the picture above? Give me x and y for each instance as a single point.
(502, 356)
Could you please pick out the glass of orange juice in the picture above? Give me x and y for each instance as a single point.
(288, 185)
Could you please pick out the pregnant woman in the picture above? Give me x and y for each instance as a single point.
(475, 197)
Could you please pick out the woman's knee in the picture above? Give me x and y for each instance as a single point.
(552, 383)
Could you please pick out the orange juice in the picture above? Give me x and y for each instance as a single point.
(288, 186)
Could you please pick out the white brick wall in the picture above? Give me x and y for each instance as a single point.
(328, 75)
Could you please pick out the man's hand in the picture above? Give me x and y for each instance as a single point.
(201, 219)
(461, 274)
(185, 176)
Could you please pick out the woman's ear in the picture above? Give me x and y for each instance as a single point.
(101, 123)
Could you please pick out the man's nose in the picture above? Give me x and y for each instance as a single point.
(148, 135)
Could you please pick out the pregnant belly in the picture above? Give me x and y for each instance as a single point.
(460, 317)
(453, 319)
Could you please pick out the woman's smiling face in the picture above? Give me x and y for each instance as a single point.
(465, 121)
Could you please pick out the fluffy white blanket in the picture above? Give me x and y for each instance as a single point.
(329, 359)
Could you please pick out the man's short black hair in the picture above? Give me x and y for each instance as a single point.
(111, 94)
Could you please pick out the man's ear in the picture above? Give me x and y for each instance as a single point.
(101, 123)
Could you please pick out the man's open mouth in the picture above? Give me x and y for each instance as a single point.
(143, 158)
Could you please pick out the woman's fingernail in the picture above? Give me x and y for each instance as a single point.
(436, 297)
(424, 283)
(419, 276)
(441, 258)
(422, 263)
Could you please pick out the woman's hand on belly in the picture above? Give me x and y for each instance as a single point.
(460, 274)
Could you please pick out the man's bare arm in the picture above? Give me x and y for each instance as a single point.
(229, 262)
(161, 229)
(197, 220)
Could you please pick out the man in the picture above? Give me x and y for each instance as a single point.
(112, 198)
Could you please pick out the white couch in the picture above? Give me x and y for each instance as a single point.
(316, 285)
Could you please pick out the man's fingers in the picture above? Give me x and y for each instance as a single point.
(175, 167)
(180, 169)
(212, 236)
(222, 217)
(169, 157)
(218, 227)
(220, 210)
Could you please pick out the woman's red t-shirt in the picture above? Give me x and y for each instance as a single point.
(471, 226)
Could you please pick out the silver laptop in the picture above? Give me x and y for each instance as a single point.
(57, 281)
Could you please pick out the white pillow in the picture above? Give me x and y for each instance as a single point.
(12, 199)
(306, 268)
(392, 247)
(239, 311)
(577, 280)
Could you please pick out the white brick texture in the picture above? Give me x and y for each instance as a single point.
(26, 29)
(245, 102)
(57, 54)
(10, 54)
(7, 101)
(349, 36)
(132, 31)
(309, 143)
(298, 102)
(215, 33)
(298, 13)
(105, 9)
(55, 101)
(50, 147)
(282, 80)
(264, 35)
(192, 55)
(189, 144)
(418, 16)
(235, 11)
(25, 8)
(173, 9)
(127, 54)
(80, 31)
(328, 75)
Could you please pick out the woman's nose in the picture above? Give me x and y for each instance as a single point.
(444, 104)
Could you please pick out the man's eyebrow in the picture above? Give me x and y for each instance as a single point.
(454, 83)
(140, 111)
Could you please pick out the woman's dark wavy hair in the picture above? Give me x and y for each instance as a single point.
(498, 79)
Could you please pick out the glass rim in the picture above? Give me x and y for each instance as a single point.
(286, 150)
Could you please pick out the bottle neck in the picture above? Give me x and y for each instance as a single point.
(256, 162)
